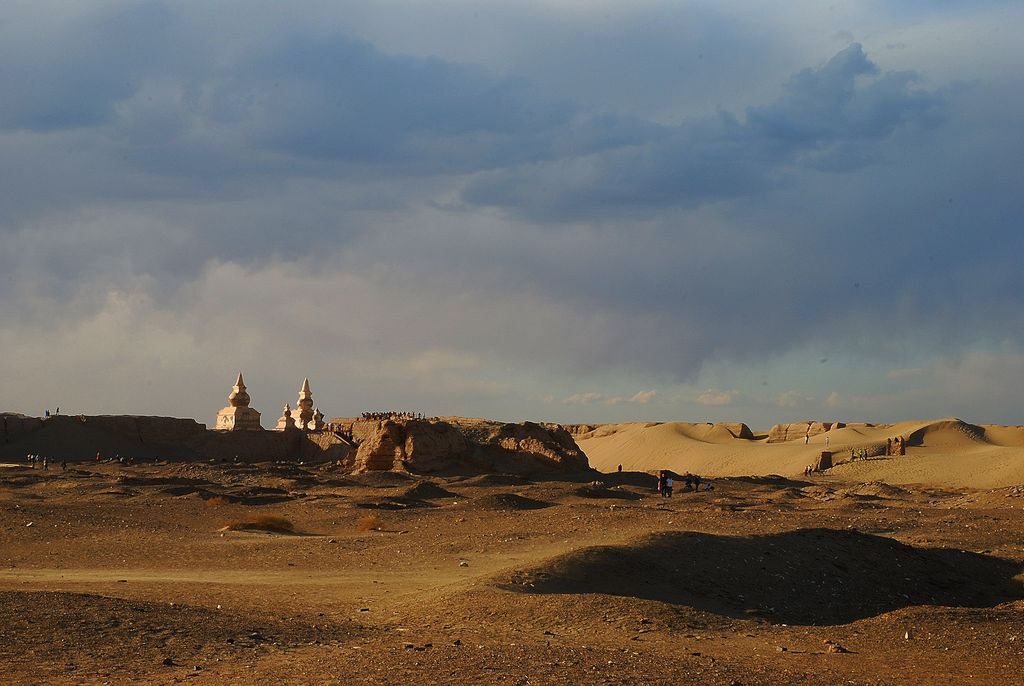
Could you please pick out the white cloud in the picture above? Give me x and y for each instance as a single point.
(643, 397)
(713, 398)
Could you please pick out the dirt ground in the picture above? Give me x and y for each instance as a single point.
(125, 574)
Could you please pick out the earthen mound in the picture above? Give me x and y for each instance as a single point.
(509, 501)
(809, 576)
(947, 433)
(427, 490)
(382, 479)
(876, 489)
(264, 523)
(485, 480)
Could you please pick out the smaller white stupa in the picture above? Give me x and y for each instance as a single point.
(310, 418)
(285, 423)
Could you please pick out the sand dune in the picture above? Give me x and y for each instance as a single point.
(946, 451)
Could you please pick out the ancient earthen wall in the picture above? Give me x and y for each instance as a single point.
(13, 424)
(158, 430)
(780, 433)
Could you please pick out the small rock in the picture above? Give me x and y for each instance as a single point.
(408, 646)
(463, 563)
(833, 647)
(907, 636)
(457, 642)
(781, 649)
(168, 662)
(31, 524)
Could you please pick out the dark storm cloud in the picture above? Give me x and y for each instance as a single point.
(340, 98)
(72, 75)
(827, 118)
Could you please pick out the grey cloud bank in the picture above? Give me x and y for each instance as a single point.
(441, 221)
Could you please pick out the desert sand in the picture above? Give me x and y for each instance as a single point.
(947, 452)
(883, 571)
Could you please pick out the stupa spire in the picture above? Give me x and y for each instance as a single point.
(239, 397)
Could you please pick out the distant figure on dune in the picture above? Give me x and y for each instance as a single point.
(826, 441)
(620, 468)
(807, 439)
(668, 486)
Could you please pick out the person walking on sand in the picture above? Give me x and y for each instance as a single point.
(46, 466)
(807, 439)
(64, 465)
(826, 441)
(668, 486)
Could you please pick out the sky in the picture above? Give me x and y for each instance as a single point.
(549, 210)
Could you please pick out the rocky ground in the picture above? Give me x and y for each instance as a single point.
(113, 574)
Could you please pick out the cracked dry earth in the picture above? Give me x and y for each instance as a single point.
(126, 575)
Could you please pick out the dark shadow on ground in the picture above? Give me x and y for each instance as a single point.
(808, 576)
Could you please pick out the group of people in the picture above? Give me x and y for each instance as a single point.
(120, 459)
(42, 462)
(691, 482)
(377, 416)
